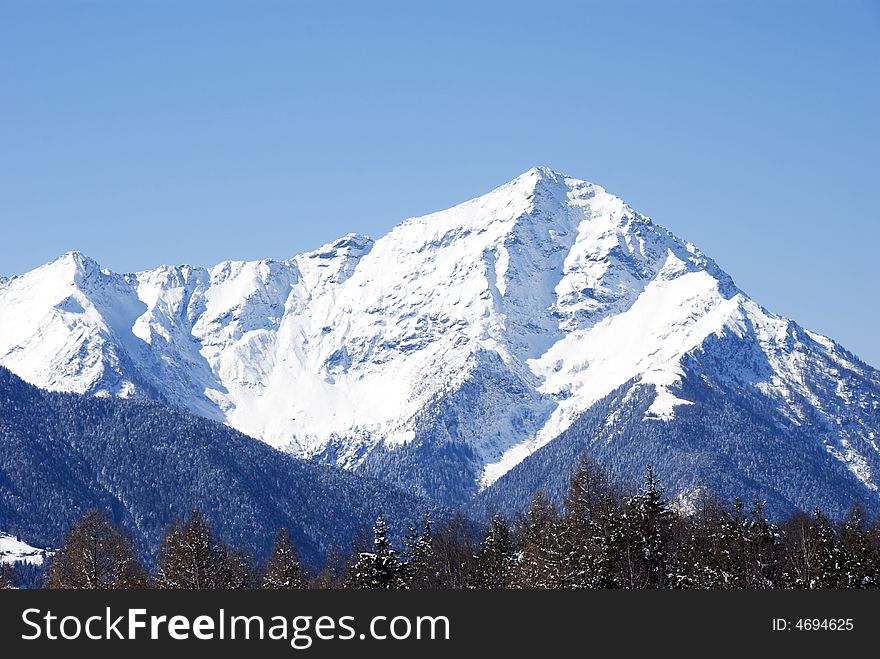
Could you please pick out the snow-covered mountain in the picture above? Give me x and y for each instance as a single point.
(446, 352)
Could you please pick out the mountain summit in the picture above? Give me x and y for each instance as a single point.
(450, 351)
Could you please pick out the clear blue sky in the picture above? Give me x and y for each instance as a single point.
(149, 132)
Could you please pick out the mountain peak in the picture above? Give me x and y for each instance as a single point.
(544, 172)
(549, 184)
(350, 245)
(491, 326)
(538, 176)
(73, 265)
(76, 258)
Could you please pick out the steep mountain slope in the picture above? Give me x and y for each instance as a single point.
(443, 354)
(61, 454)
(722, 443)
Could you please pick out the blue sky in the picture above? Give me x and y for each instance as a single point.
(149, 132)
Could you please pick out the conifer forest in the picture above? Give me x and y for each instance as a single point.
(599, 537)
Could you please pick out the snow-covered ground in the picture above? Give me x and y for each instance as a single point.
(13, 550)
(548, 291)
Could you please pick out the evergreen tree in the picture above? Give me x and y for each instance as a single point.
(283, 569)
(872, 538)
(494, 559)
(762, 567)
(813, 557)
(861, 555)
(240, 572)
(191, 557)
(418, 553)
(721, 547)
(380, 568)
(362, 543)
(540, 561)
(27, 575)
(707, 561)
(590, 496)
(6, 580)
(734, 545)
(332, 575)
(643, 538)
(95, 554)
(452, 554)
(828, 564)
(590, 508)
(797, 551)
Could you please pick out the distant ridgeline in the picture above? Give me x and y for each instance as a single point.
(145, 464)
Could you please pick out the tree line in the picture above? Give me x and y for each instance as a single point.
(598, 538)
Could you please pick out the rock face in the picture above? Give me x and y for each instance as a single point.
(442, 355)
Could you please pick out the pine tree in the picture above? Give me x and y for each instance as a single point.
(872, 538)
(539, 562)
(283, 569)
(361, 544)
(763, 543)
(494, 559)
(95, 554)
(590, 507)
(417, 557)
(734, 545)
(707, 561)
(643, 537)
(828, 563)
(6, 580)
(192, 558)
(380, 568)
(452, 554)
(813, 555)
(332, 575)
(240, 573)
(861, 555)
(590, 496)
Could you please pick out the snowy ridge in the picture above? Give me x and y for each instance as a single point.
(543, 295)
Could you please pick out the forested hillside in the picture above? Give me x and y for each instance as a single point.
(598, 538)
(143, 463)
(727, 444)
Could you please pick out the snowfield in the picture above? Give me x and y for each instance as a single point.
(13, 550)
